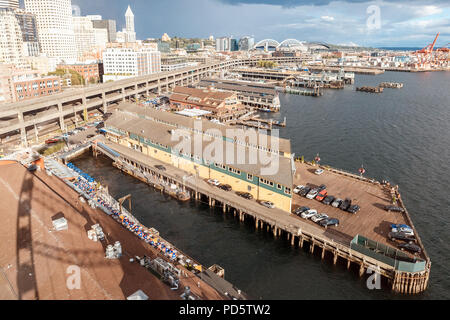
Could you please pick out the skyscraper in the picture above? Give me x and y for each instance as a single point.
(55, 27)
(129, 29)
(11, 41)
(11, 4)
(28, 25)
(109, 25)
(226, 44)
(246, 43)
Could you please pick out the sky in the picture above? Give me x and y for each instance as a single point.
(381, 23)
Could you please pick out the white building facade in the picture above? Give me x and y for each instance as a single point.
(11, 41)
(122, 63)
(55, 27)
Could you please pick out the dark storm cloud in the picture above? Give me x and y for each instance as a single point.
(296, 3)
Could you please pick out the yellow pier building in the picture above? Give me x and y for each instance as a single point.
(247, 160)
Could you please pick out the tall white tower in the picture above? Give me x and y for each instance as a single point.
(129, 29)
(55, 27)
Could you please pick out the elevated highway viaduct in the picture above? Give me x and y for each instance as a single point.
(28, 115)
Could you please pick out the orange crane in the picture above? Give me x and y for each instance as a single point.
(444, 48)
(426, 52)
(429, 48)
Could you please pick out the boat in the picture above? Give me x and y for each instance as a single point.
(183, 196)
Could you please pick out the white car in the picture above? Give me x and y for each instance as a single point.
(312, 194)
(406, 231)
(308, 214)
(214, 182)
(319, 172)
(318, 217)
(268, 204)
(298, 189)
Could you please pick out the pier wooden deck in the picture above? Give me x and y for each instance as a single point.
(372, 221)
(297, 230)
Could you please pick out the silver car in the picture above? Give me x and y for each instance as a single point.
(312, 194)
(308, 214)
(268, 204)
(318, 217)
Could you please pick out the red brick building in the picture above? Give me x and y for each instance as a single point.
(223, 105)
(33, 88)
(23, 84)
(89, 71)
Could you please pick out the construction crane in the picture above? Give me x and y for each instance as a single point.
(426, 53)
(444, 48)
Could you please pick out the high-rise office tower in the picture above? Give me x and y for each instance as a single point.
(28, 25)
(11, 41)
(129, 29)
(11, 4)
(55, 27)
(109, 25)
(246, 43)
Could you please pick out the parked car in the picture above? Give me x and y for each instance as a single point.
(160, 167)
(90, 136)
(308, 214)
(329, 222)
(267, 204)
(402, 228)
(345, 204)
(319, 172)
(411, 247)
(321, 187)
(245, 195)
(353, 209)
(321, 195)
(401, 236)
(51, 141)
(320, 216)
(312, 194)
(394, 209)
(213, 182)
(305, 191)
(328, 200)
(298, 189)
(298, 211)
(336, 203)
(225, 187)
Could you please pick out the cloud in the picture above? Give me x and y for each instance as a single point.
(403, 23)
(327, 18)
(297, 3)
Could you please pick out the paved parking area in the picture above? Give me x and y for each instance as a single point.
(372, 221)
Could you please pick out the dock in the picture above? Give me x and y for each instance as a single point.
(370, 89)
(360, 241)
(356, 70)
(392, 85)
(37, 260)
(315, 93)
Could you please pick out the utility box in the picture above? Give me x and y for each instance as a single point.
(59, 222)
(138, 295)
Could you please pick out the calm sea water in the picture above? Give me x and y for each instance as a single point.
(401, 135)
